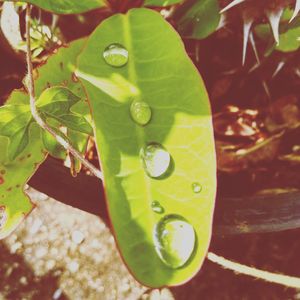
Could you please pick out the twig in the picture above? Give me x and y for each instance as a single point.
(288, 281)
(34, 110)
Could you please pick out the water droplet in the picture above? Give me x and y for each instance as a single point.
(156, 207)
(140, 112)
(156, 159)
(3, 217)
(197, 187)
(116, 55)
(174, 240)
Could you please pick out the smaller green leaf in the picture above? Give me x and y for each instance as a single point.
(56, 106)
(56, 103)
(161, 2)
(50, 143)
(57, 70)
(79, 141)
(288, 37)
(14, 203)
(21, 145)
(197, 19)
(67, 6)
(14, 124)
(289, 41)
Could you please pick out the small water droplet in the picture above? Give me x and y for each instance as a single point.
(156, 207)
(116, 55)
(197, 187)
(156, 159)
(140, 112)
(3, 217)
(174, 240)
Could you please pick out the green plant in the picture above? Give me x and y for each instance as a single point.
(132, 88)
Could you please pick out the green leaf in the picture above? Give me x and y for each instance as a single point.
(56, 103)
(67, 6)
(58, 71)
(288, 37)
(80, 143)
(14, 124)
(289, 40)
(55, 149)
(161, 2)
(15, 205)
(160, 73)
(21, 145)
(197, 19)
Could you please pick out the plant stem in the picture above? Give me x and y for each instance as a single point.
(35, 112)
(288, 281)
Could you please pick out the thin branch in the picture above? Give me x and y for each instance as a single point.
(288, 281)
(35, 112)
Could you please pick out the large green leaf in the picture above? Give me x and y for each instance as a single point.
(160, 73)
(14, 203)
(197, 19)
(161, 2)
(67, 6)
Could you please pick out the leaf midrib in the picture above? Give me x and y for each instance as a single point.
(140, 133)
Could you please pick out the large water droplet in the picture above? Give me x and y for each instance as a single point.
(140, 112)
(116, 55)
(197, 187)
(156, 159)
(174, 240)
(3, 216)
(156, 207)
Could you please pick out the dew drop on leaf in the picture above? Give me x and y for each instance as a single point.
(157, 208)
(156, 159)
(140, 112)
(116, 55)
(197, 188)
(3, 217)
(174, 240)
